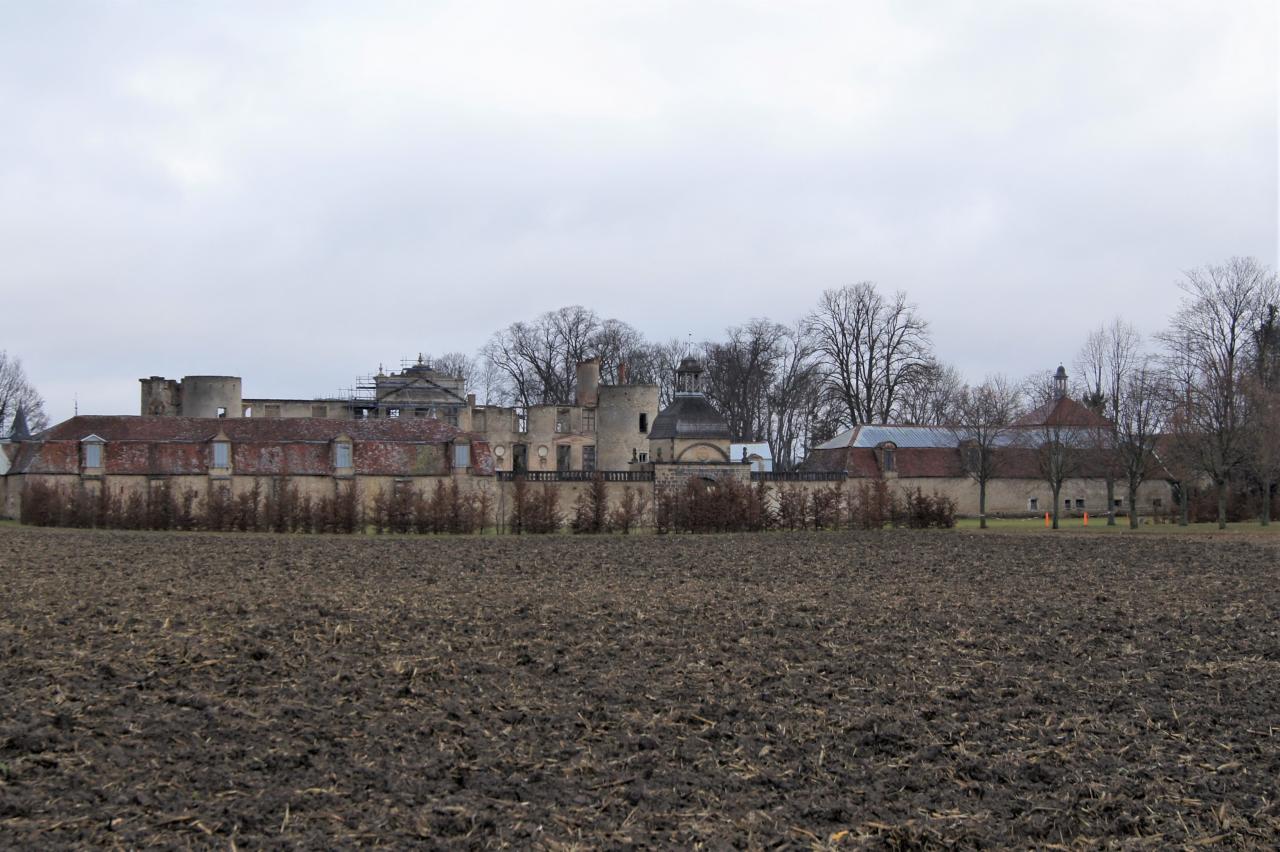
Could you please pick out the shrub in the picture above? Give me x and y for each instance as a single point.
(591, 509)
(630, 510)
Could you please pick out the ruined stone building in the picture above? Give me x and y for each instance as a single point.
(605, 427)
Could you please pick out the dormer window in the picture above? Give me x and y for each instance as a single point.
(461, 455)
(92, 453)
(342, 455)
(888, 464)
(221, 454)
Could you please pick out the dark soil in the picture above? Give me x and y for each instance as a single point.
(886, 690)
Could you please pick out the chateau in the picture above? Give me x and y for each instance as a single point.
(416, 428)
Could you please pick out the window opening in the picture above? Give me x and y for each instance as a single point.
(644, 421)
(589, 457)
(589, 420)
(221, 454)
(342, 455)
(562, 457)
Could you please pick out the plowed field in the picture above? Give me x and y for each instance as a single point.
(860, 690)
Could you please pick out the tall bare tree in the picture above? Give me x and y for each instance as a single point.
(1138, 422)
(871, 347)
(982, 424)
(1262, 392)
(794, 400)
(1105, 361)
(933, 395)
(17, 392)
(534, 363)
(617, 343)
(1061, 444)
(1212, 331)
(741, 371)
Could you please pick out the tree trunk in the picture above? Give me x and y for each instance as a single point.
(1184, 515)
(1266, 502)
(1111, 502)
(1133, 506)
(982, 504)
(1056, 490)
(1222, 505)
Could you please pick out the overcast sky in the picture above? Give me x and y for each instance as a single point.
(294, 193)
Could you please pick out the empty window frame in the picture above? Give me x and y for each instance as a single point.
(562, 420)
(642, 457)
(589, 420)
(562, 457)
(589, 457)
(221, 454)
(522, 420)
(451, 417)
(393, 412)
(222, 412)
(1033, 504)
(644, 422)
(423, 412)
(1079, 502)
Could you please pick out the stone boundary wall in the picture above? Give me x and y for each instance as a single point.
(1005, 497)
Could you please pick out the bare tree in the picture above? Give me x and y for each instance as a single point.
(871, 348)
(536, 363)
(616, 343)
(458, 364)
(17, 392)
(933, 395)
(1213, 331)
(1107, 358)
(982, 424)
(1262, 392)
(741, 371)
(1061, 444)
(1138, 423)
(794, 400)
(662, 360)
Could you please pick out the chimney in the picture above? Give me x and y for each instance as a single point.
(622, 372)
(588, 381)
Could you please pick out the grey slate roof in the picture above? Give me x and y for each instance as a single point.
(689, 416)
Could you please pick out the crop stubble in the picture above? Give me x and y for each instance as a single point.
(880, 690)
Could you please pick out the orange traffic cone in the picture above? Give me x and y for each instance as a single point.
(1046, 520)
(1086, 519)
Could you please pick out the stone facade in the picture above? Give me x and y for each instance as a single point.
(604, 428)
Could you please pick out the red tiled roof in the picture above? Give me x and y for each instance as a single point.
(1063, 411)
(256, 429)
(259, 447)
